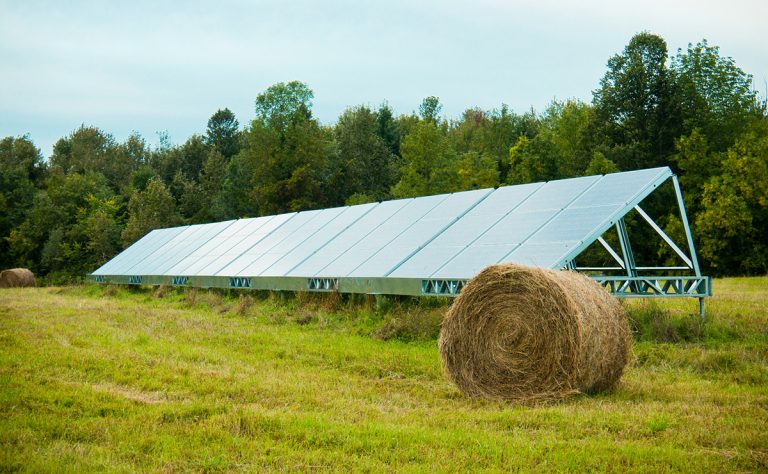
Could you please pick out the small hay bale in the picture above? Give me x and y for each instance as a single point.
(17, 278)
(527, 334)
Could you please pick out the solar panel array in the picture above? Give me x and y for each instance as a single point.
(448, 236)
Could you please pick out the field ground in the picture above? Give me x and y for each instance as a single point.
(116, 379)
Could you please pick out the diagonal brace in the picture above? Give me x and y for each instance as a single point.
(610, 250)
(664, 236)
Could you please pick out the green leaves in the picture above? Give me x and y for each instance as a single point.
(277, 106)
(635, 109)
(429, 163)
(149, 209)
(223, 133)
(732, 225)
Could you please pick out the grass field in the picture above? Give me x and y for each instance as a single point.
(114, 379)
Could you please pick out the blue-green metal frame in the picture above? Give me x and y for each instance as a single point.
(628, 280)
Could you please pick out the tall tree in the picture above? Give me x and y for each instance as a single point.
(733, 223)
(21, 173)
(387, 128)
(635, 105)
(492, 133)
(429, 162)
(476, 171)
(223, 133)
(430, 108)
(286, 148)
(364, 164)
(532, 160)
(716, 96)
(278, 106)
(212, 179)
(47, 239)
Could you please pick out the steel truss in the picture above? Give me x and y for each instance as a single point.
(625, 279)
(636, 281)
(645, 281)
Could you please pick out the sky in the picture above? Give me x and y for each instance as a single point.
(152, 66)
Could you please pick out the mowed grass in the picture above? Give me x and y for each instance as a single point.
(113, 379)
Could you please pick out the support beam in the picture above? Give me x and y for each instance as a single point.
(626, 248)
(613, 253)
(686, 226)
(664, 236)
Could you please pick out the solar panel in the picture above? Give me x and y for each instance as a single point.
(421, 231)
(318, 263)
(318, 240)
(386, 232)
(264, 256)
(257, 230)
(130, 258)
(278, 234)
(213, 249)
(447, 236)
(466, 230)
(132, 252)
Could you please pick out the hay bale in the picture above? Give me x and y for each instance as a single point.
(526, 334)
(17, 278)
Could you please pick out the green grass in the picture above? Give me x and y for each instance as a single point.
(113, 379)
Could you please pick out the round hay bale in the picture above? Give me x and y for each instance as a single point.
(524, 333)
(17, 278)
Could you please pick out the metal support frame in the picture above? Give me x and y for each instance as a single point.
(625, 279)
(626, 249)
(645, 287)
(637, 285)
(688, 236)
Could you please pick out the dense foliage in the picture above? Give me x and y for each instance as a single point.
(695, 111)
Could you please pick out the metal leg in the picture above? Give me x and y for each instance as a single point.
(701, 308)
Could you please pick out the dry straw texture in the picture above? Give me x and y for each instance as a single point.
(16, 278)
(527, 334)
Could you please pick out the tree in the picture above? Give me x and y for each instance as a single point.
(429, 109)
(562, 146)
(429, 163)
(89, 149)
(236, 195)
(286, 150)
(635, 106)
(733, 223)
(49, 229)
(492, 133)
(21, 172)
(388, 129)
(531, 161)
(476, 171)
(567, 127)
(188, 197)
(149, 209)
(280, 103)
(223, 133)
(212, 179)
(599, 164)
(716, 96)
(193, 153)
(92, 238)
(364, 164)
(698, 164)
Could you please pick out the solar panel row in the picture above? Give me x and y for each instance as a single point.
(448, 236)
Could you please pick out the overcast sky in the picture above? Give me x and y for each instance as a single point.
(149, 66)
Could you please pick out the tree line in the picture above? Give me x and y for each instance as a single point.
(695, 111)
